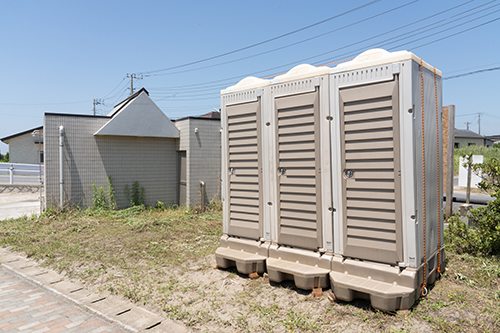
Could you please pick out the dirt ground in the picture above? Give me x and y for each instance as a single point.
(208, 299)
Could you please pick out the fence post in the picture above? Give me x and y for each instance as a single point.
(11, 174)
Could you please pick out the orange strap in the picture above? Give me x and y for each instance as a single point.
(438, 187)
(424, 289)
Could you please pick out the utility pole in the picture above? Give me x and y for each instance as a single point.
(132, 77)
(97, 102)
(467, 123)
(479, 121)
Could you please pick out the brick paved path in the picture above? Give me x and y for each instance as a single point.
(25, 307)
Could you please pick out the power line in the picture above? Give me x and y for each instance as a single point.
(265, 41)
(472, 73)
(288, 45)
(209, 85)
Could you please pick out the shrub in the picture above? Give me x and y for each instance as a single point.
(483, 236)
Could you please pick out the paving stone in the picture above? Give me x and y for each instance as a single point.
(139, 318)
(111, 306)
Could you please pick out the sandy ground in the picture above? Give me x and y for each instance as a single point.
(13, 205)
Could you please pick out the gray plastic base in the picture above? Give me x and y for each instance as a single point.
(388, 288)
(307, 269)
(248, 256)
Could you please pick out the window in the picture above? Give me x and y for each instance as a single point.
(457, 145)
(471, 144)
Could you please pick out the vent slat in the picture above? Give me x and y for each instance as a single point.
(375, 193)
(375, 204)
(367, 155)
(244, 209)
(244, 216)
(371, 223)
(297, 128)
(297, 180)
(242, 134)
(296, 146)
(369, 244)
(361, 145)
(368, 115)
(370, 135)
(298, 189)
(296, 137)
(297, 205)
(369, 164)
(387, 235)
(295, 155)
(368, 125)
(243, 126)
(355, 184)
(384, 215)
(299, 197)
(247, 201)
(383, 102)
(298, 215)
(242, 119)
(243, 149)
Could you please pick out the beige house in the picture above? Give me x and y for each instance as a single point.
(464, 138)
(26, 147)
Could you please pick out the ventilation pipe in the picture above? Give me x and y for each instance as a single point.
(61, 167)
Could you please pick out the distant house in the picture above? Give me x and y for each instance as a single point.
(135, 142)
(464, 138)
(492, 139)
(26, 147)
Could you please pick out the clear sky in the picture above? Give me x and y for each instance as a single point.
(58, 56)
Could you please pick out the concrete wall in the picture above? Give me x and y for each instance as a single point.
(90, 159)
(23, 149)
(464, 142)
(203, 154)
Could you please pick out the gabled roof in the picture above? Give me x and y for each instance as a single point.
(7, 138)
(461, 133)
(138, 115)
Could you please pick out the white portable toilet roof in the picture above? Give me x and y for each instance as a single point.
(302, 71)
(247, 83)
(374, 57)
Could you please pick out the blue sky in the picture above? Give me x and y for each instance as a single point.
(57, 56)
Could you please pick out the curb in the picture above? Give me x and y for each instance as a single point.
(109, 307)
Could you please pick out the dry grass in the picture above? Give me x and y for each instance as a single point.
(163, 259)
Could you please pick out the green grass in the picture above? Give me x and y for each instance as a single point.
(163, 259)
(487, 152)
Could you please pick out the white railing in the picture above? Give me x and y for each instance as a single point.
(18, 169)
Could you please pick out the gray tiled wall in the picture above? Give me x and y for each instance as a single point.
(90, 159)
(203, 153)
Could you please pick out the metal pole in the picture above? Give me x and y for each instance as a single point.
(40, 173)
(202, 191)
(451, 156)
(61, 167)
(11, 174)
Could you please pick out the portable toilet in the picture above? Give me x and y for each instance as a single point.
(387, 178)
(244, 243)
(299, 126)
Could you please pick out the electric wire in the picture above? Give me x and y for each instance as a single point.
(263, 42)
(471, 73)
(391, 40)
(231, 79)
(288, 45)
